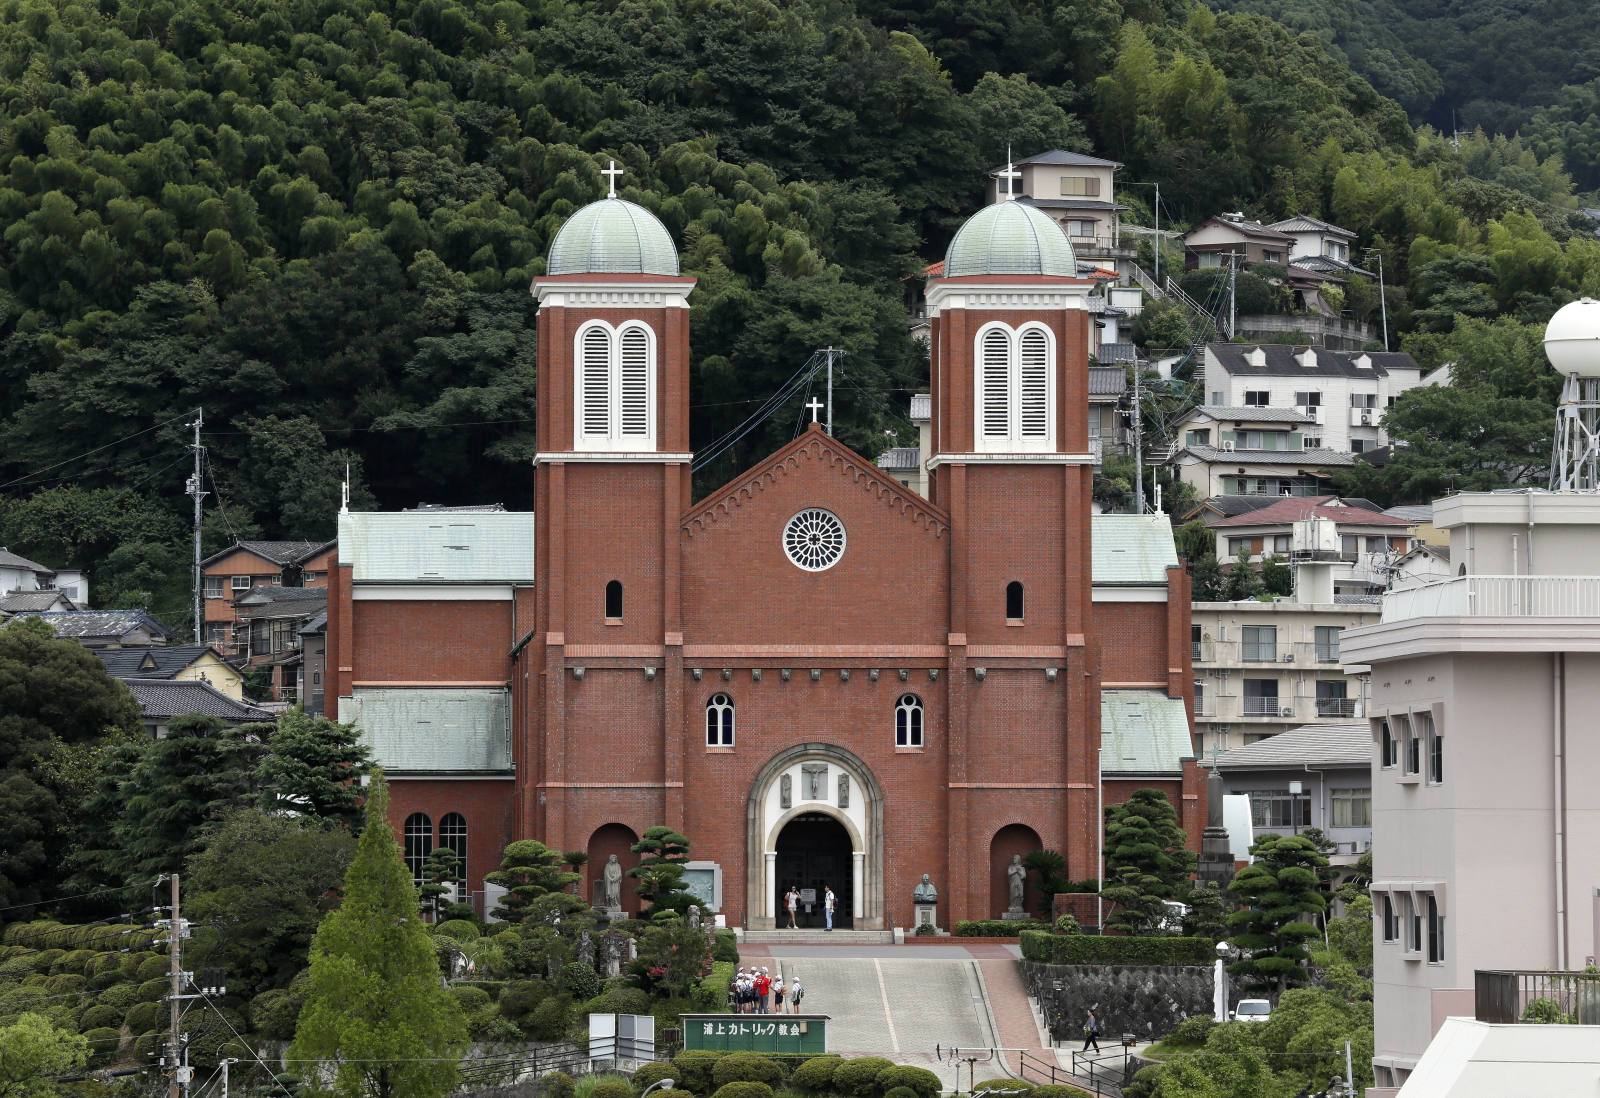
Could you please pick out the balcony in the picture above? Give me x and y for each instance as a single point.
(1304, 710)
(1497, 597)
(1268, 707)
(1338, 707)
(1233, 653)
(1508, 997)
(1102, 246)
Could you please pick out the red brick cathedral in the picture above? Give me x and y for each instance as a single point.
(816, 674)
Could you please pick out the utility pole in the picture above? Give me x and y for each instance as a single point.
(831, 351)
(178, 1072)
(194, 490)
(1233, 294)
(1383, 299)
(1157, 212)
(1138, 447)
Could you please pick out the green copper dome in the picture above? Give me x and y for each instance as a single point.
(613, 236)
(1010, 238)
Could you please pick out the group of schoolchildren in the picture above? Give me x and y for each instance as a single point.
(753, 987)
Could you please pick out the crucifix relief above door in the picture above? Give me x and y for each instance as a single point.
(816, 778)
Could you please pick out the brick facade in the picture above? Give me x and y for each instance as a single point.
(609, 714)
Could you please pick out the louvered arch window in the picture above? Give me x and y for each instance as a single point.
(1015, 378)
(616, 387)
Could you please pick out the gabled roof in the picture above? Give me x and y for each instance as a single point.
(1314, 745)
(907, 459)
(101, 623)
(278, 552)
(1327, 265)
(1228, 505)
(1253, 229)
(1298, 508)
(1304, 459)
(22, 602)
(318, 624)
(1131, 550)
(1423, 549)
(264, 593)
(1282, 359)
(152, 663)
(1304, 224)
(921, 407)
(1143, 732)
(1251, 414)
(1114, 352)
(9, 559)
(161, 699)
(1062, 157)
(295, 602)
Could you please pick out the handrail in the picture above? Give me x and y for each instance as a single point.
(1497, 596)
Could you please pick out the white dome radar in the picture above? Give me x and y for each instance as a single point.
(1572, 338)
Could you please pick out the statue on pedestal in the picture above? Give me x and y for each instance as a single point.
(613, 882)
(925, 893)
(1017, 874)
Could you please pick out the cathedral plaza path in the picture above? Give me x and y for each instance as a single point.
(900, 1002)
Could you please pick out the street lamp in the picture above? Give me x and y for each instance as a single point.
(659, 1084)
(1157, 209)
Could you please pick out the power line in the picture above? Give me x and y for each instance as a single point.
(91, 510)
(96, 450)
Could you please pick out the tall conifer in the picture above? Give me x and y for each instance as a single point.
(378, 1020)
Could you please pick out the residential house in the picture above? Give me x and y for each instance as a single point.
(248, 564)
(19, 575)
(1077, 192)
(1213, 508)
(1485, 762)
(107, 628)
(1108, 385)
(1252, 451)
(1423, 564)
(1345, 393)
(160, 700)
(1361, 543)
(1319, 246)
(177, 663)
(1217, 240)
(1317, 775)
(270, 620)
(1422, 515)
(905, 463)
(314, 668)
(34, 602)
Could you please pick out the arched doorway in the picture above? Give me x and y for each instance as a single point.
(814, 854)
(618, 839)
(1009, 841)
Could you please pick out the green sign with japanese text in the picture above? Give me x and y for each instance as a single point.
(802, 1033)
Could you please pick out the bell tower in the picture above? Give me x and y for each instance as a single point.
(611, 478)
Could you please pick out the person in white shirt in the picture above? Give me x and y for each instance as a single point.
(827, 905)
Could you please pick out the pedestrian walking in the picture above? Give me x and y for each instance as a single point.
(827, 905)
(796, 993)
(1091, 1033)
(792, 900)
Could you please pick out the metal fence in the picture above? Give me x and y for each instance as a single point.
(1498, 596)
(1511, 996)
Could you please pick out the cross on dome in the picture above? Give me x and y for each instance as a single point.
(612, 172)
(1008, 175)
(815, 406)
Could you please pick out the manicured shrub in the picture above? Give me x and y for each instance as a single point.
(43, 962)
(557, 1084)
(121, 996)
(1087, 949)
(152, 990)
(66, 983)
(711, 993)
(153, 967)
(143, 1017)
(74, 961)
(611, 1088)
(727, 947)
(694, 1068)
(745, 1068)
(462, 930)
(100, 1015)
(653, 1073)
(926, 930)
(1191, 1031)
(920, 1081)
(522, 996)
(744, 1090)
(103, 1041)
(469, 998)
(1055, 1090)
(275, 1014)
(549, 1019)
(672, 1092)
(622, 1000)
(130, 965)
(899, 1092)
(997, 928)
(579, 981)
(816, 1075)
(1067, 924)
(858, 1078)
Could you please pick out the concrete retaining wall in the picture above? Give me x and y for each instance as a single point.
(1145, 1000)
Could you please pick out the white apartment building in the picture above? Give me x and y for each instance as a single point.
(1486, 827)
(1344, 393)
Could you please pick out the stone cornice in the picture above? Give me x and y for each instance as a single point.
(1375, 644)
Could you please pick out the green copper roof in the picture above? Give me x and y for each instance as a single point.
(1010, 238)
(613, 236)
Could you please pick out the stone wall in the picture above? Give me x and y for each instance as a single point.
(1145, 1000)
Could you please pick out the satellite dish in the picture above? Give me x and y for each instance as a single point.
(1572, 338)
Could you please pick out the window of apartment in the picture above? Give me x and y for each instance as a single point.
(1331, 699)
(1281, 542)
(1238, 545)
(1358, 446)
(1196, 634)
(1349, 545)
(241, 583)
(1410, 746)
(1261, 643)
(1434, 742)
(1391, 919)
(908, 721)
(1257, 398)
(1080, 186)
(1312, 442)
(1390, 752)
(1199, 438)
(1377, 544)
(218, 632)
(719, 721)
(1218, 397)
(1363, 400)
(260, 638)
(1279, 808)
(1271, 257)
(1328, 643)
(1263, 440)
(1080, 228)
(1308, 400)
(1413, 925)
(1210, 259)
(1435, 932)
(1352, 808)
(1261, 697)
(214, 586)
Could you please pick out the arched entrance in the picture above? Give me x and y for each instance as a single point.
(1009, 841)
(618, 839)
(834, 804)
(815, 854)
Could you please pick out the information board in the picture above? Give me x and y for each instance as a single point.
(803, 1033)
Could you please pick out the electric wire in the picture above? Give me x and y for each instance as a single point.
(768, 407)
(96, 450)
(101, 506)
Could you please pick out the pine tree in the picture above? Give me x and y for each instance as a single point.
(377, 1021)
(663, 853)
(439, 873)
(528, 871)
(1244, 582)
(1279, 889)
(314, 767)
(1210, 585)
(1147, 860)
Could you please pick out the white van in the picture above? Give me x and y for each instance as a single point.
(1251, 1010)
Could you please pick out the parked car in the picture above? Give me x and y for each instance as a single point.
(1251, 1010)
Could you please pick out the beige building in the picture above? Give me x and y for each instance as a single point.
(176, 663)
(1077, 192)
(1486, 828)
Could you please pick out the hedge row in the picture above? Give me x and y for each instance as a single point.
(997, 928)
(711, 993)
(746, 1074)
(1074, 949)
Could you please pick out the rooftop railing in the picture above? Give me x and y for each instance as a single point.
(1497, 596)
(1512, 996)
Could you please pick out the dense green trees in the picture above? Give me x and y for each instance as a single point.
(1281, 889)
(1147, 862)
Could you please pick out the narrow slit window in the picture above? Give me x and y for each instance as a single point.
(1014, 600)
(1390, 755)
(1435, 932)
(419, 842)
(908, 721)
(719, 721)
(614, 599)
(1391, 921)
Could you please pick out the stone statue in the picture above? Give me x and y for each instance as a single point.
(694, 916)
(611, 954)
(785, 792)
(613, 879)
(844, 791)
(816, 774)
(925, 893)
(1017, 873)
(633, 950)
(552, 965)
(585, 949)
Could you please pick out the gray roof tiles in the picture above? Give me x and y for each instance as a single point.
(101, 623)
(901, 459)
(921, 407)
(1314, 745)
(1304, 224)
(1412, 512)
(1306, 459)
(1063, 157)
(161, 699)
(9, 559)
(278, 552)
(151, 663)
(1253, 414)
(22, 602)
(1282, 359)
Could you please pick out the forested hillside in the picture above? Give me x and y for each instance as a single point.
(318, 220)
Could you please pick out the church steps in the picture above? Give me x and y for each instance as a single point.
(818, 937)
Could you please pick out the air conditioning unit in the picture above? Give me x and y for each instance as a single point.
(1288, 658)
(1226, 446)
(1286, 712)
